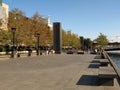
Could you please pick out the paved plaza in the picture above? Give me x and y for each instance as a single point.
(49, 72)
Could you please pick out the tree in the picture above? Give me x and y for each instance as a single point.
(40, 26)
(64, 38)
(26, 28)
(75, 42)
(4, 37)
(17, 20)
(70, 39)
(0, 22)
(102, 40)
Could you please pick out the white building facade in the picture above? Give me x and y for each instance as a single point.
(4, 14)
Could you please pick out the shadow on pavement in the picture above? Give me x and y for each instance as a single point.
(98, 57)
(95, 61)
(94, 65)
(88, 80)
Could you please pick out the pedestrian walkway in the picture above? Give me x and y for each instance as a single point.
(51, 72)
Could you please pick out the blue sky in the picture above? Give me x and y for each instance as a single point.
(84, 17)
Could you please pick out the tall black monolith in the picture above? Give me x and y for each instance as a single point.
(82, 42)
(57, 37)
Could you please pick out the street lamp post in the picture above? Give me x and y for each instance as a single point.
(38, 43)
(13, 42)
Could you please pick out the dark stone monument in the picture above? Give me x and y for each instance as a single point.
(82, 42)
(57, 37)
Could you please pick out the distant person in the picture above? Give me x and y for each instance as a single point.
(96, 51)
(47, 51)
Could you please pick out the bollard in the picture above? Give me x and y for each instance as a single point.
(37, 52)
(29, 53)
(40, 53)
(18, 55)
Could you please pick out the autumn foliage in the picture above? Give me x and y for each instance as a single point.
(27, 27)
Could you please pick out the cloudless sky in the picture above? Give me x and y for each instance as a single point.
(83, 17)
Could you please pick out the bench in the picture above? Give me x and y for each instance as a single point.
(104, 62)
(80, 52)
(19, 53)
(111, 88)
(107, 76)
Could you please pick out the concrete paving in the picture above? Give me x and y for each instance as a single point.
(50, 72)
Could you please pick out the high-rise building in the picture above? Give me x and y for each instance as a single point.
(3, 15)
(47, 20)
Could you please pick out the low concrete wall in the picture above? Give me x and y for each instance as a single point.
(115, 67)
